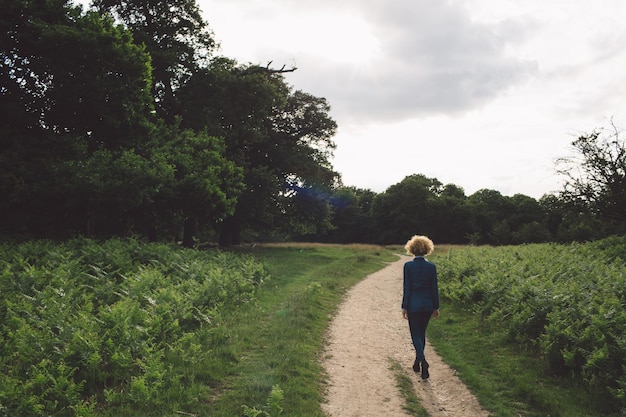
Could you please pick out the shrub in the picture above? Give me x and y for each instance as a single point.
(87, 324)
(566, 302)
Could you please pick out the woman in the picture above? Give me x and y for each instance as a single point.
(420, 299)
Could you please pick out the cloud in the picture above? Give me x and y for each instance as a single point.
(426, 57)
(488, 87)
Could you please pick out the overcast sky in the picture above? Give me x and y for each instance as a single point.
(476, 93)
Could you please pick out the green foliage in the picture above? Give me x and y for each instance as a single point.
(421, 205)
(273, 406)
(175, 35)
(110, 325)
(352, 220)
(279, 337)
(75, 75)
(405, 385)
(564, 302)
(405, 208)
(77, 89)
(97, 192)
(114, 129)
(284, 149)
(204, 185)
(506, 378)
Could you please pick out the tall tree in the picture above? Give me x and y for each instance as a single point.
(595, 178)
(295, 156)
(73, 84)
(525, 209)
(407, 208)
(489, 213)
(106, 192)
(205, 185)
(451, 214)
(174, 34)
(74, 74)
(352, 216)
(281, 139)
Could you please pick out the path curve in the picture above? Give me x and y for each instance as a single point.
(367, 331)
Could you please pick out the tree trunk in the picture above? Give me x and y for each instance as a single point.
(91, 223)
(230, 233)
(189, 230)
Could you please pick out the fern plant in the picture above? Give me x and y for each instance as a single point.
(273, 406)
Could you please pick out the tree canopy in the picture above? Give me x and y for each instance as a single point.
(596, 174)
(122, 121)
(281, 138)
(175, 35)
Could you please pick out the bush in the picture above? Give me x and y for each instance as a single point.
(87, 324)
(565, 302)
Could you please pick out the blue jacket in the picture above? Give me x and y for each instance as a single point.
(421, 289)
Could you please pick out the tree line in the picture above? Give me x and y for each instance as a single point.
(590, 206)
(123, 119)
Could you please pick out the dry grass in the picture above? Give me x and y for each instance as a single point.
(319, 245)
(440, 249)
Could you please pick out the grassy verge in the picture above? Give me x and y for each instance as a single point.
(507, 381)
(407, 390)
(276, 342)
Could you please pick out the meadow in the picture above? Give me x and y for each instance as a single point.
(123, 327)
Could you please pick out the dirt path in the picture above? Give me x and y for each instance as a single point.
(367, 331)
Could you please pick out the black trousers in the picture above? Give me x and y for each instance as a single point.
(418, 322)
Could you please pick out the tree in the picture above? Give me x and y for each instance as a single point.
(204, 186)
(82, 150)
(407, 208)
(307, 213)
(176, 37)
(352, 220)
(524, 210)
(595, 178)
(489, 211)
(293, 155)
(281, 139)
(75, 75)
(75, 87)
(107, 192)
(422, 205)
(451, 215)
(553, 212)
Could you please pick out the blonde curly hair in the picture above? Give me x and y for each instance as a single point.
(419, 246)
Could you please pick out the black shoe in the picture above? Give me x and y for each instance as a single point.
(425, 366)
(416, 365)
